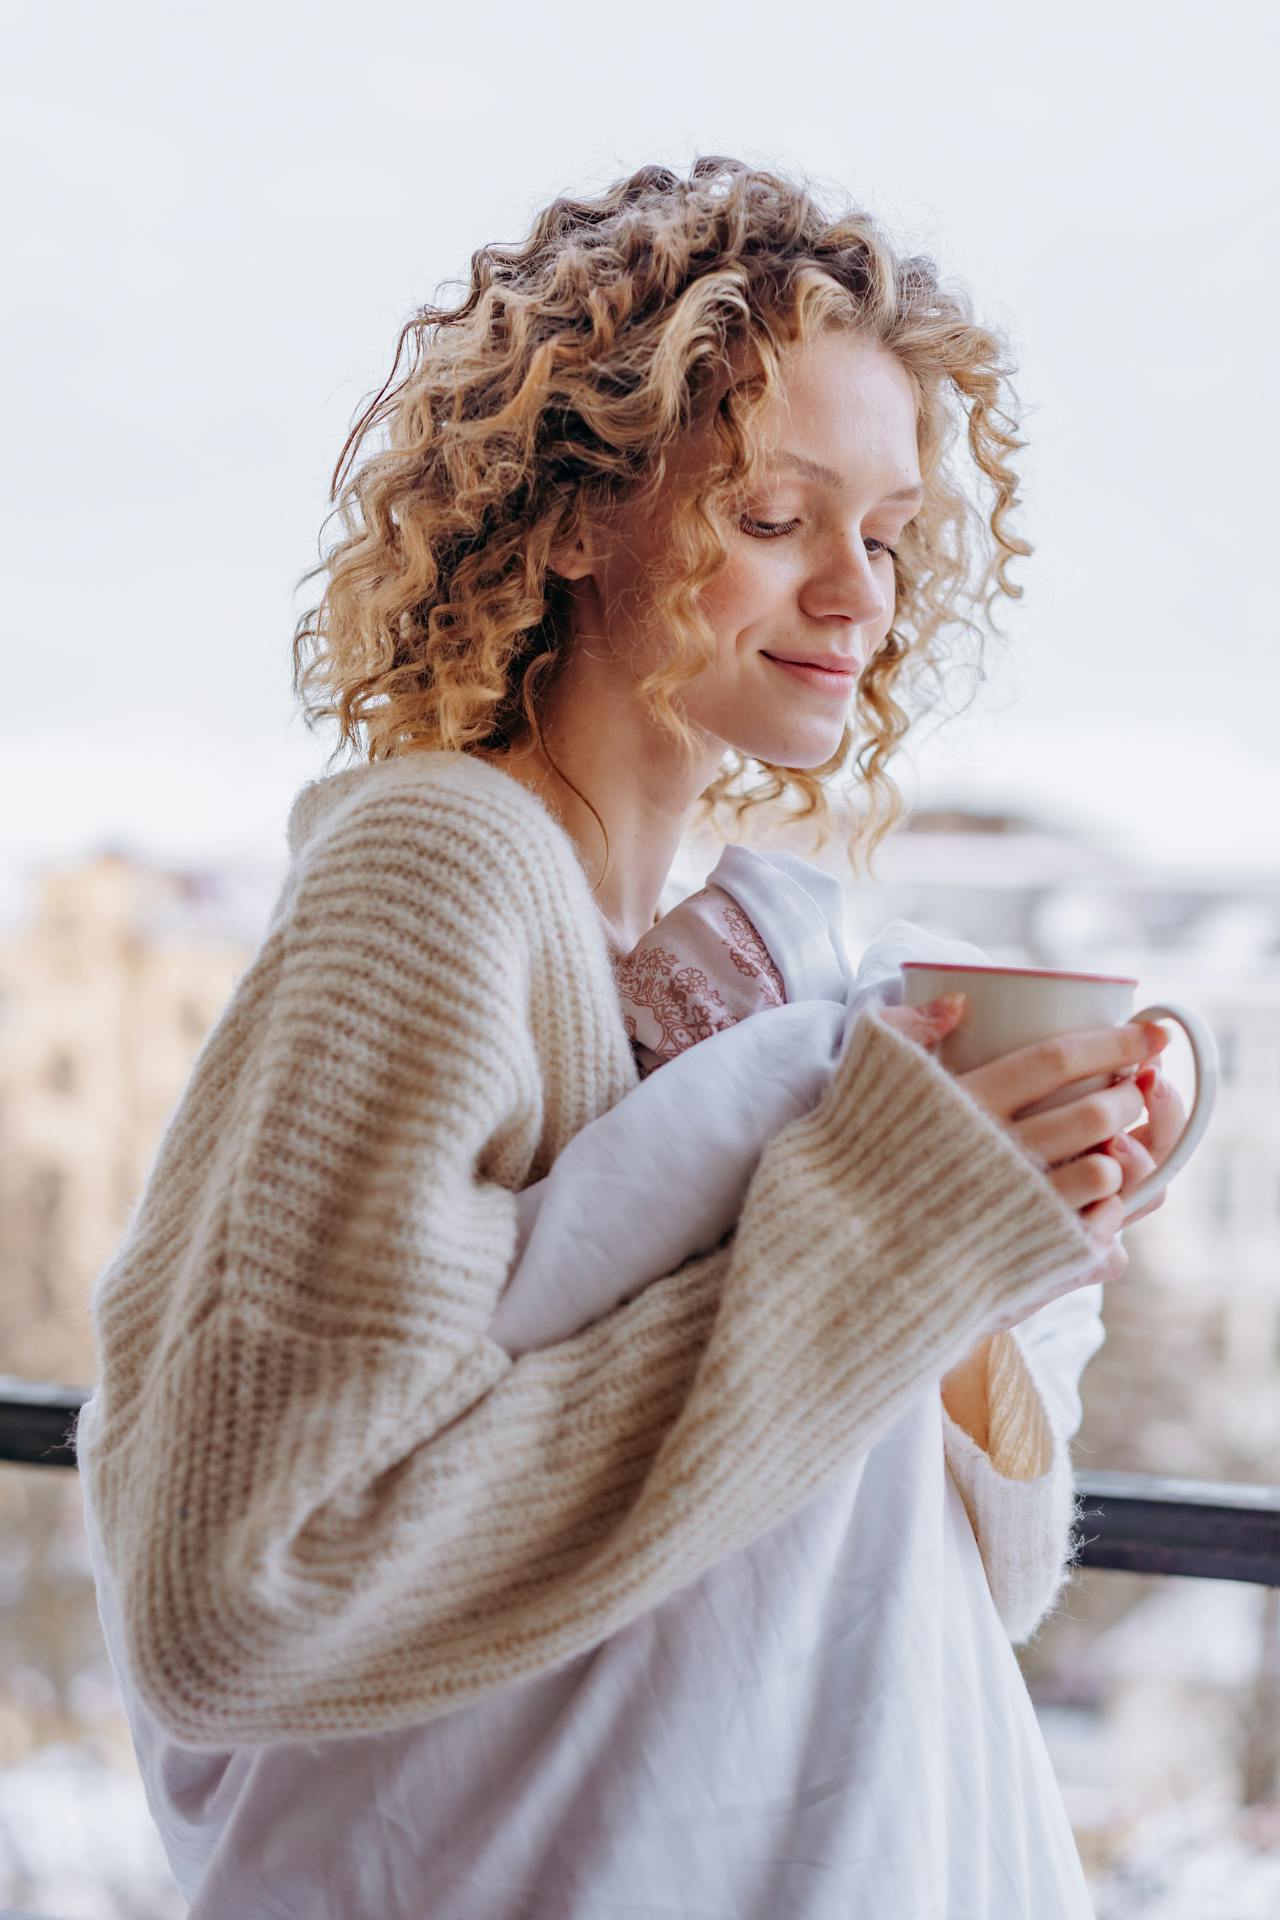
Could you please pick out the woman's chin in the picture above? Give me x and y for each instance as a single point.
(801, 748)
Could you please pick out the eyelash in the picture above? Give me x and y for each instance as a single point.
(773, 529)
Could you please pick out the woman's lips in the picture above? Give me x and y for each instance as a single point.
(822, 679)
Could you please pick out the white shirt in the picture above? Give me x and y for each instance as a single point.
(830, 1724)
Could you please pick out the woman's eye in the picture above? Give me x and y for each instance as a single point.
(770, 530)
(767, 529)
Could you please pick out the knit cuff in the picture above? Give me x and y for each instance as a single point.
(1019, 1493)
(947, 1191)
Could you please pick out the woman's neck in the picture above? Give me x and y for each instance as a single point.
(644, 838)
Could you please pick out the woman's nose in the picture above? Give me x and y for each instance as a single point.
(850, 585)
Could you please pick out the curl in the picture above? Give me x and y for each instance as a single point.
(555, 389)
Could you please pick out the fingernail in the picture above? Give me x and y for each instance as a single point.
(1156, 1034)
(948, 1003)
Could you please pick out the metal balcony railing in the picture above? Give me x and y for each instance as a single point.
(1136, 1522)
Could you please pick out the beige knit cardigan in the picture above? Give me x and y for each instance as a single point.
(332, 1505)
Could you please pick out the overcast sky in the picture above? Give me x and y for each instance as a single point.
(217, 226)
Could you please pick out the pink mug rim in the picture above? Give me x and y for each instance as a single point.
(1031, 973)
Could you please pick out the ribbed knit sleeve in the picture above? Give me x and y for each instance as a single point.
(332, 1504)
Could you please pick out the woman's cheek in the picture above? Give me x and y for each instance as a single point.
(748, 591)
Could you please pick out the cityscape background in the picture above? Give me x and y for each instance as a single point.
(216, 229)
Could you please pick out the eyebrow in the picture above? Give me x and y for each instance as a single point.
(829, 476)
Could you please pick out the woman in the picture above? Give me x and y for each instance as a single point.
(682, 1612)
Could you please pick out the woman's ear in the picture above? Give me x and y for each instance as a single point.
(580, 551)
(570, 561)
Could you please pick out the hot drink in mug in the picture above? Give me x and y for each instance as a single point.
(1011, 1007)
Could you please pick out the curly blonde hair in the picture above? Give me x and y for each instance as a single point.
(555, 390)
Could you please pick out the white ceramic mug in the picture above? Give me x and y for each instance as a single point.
(1011, 1007)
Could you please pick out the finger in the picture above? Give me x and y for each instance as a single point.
(1137, 1163)
(1105, 1220)
(926, 1024)
(1166, 1116)
(1027, 1074)
(1134, 1159)
(1063, 1132)
(1114, 1262)
(1088, 1178)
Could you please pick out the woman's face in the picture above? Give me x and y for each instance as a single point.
(809, 571)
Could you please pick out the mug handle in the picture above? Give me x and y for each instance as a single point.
(1204, 1052)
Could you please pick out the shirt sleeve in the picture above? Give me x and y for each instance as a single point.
(333, 1504)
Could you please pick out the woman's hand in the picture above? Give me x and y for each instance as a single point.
(1079, 1144)
(1146, 1148)
(1141, 1152)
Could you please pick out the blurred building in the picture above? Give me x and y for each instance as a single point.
(106, 992)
